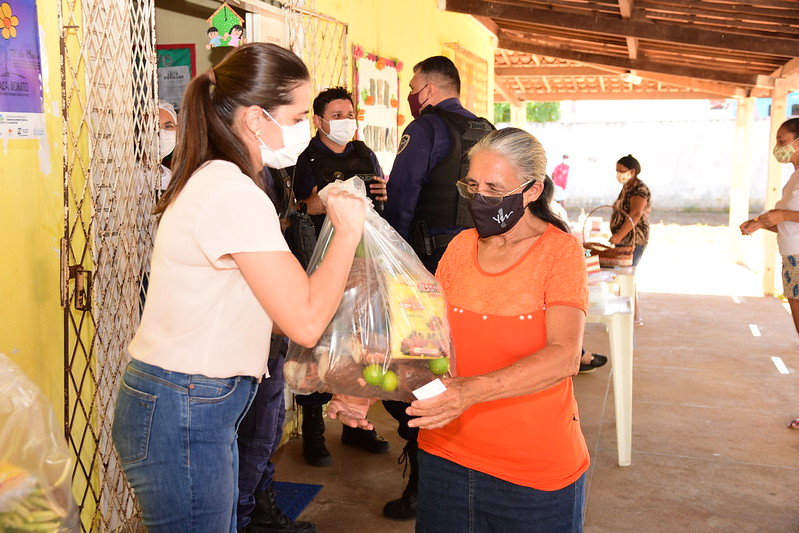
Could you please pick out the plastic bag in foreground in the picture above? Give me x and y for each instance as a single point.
(390, 334)
(35, 463)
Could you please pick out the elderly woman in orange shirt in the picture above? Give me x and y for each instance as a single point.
(501, 449)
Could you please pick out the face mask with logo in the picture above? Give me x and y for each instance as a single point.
(490, 220)
(783, 154)
(342, 130)
(624, 177)
(166, 142)
(416, 105)
(295, 141)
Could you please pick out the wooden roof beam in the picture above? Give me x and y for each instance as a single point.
(538, 71)
(643, 29)
(617, 95)
(788, 69)
(719, 89)
(733, 77)
(626, 9)
(506, 92)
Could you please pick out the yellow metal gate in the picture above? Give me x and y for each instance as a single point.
(108, 69)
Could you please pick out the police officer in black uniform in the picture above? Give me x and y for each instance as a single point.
(423, 203)
(332, 154)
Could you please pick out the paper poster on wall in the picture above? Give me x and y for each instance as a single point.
(377, 103)
(21, 111)
(176, 67)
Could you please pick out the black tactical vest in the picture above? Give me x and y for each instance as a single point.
(329, 167)
(440, 205)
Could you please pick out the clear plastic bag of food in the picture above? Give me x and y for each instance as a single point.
(35, 463)
(390, 334)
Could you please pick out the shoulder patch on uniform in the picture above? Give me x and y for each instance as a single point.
(403, 143)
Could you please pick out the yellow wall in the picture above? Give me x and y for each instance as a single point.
(410, 31)
(31, 225)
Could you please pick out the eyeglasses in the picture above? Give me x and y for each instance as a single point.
(469, 190)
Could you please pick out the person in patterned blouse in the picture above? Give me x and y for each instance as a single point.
(633, 200)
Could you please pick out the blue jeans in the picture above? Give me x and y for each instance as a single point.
(454, 498)
(175, 435)
(260, 433)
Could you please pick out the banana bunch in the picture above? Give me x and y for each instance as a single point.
(34, 512)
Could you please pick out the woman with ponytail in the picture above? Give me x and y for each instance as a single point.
(221, 278)
(501, 448)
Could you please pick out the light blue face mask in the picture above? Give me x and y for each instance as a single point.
(295, 140)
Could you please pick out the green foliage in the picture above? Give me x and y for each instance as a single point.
(534, 112)
(543, 111)
(501, 112)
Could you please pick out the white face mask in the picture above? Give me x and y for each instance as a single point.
(166, 142)
(295, 140)
(342, 130)
(624, 177)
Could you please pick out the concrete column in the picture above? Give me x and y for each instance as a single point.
(739, 188)
(518, 115)
(771, 264)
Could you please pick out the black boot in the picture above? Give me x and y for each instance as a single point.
(268, 518)
(313, 437)
(365, 439)
(404, 508)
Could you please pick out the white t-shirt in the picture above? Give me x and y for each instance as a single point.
(788, 232)
(200, 315)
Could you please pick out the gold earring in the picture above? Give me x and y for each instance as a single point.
(258, 134)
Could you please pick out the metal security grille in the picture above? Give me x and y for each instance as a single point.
(473, 71)
(321, 42)
(108, 68)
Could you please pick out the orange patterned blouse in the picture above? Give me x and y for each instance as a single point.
(498, 318)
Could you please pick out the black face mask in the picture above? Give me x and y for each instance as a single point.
(492, 220)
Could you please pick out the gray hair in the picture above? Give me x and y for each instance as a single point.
(519, 148)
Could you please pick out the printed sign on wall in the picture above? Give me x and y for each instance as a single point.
(21, 111)
(377, 103)
(176, 68)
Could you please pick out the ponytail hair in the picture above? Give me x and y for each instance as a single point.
(261, 74)
(541, 207)
(525, 154)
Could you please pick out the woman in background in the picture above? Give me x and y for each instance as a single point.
(784, 219)
(633, 200)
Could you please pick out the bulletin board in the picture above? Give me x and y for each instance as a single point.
(377, 104)
(176, 68)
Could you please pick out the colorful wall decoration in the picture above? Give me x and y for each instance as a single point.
(377, 104)
(21, 111)
(226, 28)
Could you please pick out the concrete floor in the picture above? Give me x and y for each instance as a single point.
(710, 452)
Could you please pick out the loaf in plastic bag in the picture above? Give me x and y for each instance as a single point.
(390, 334)
(35, 463)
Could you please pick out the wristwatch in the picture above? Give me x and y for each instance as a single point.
(302, 207)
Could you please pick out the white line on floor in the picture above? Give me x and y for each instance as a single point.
(735, 299)
(754, 329)
(780, 365)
